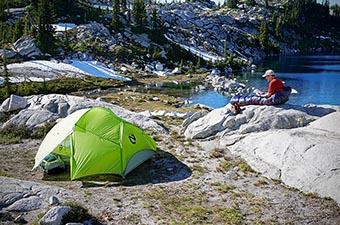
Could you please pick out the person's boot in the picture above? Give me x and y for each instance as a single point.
(235, 109)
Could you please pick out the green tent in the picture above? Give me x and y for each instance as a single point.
(97, 142)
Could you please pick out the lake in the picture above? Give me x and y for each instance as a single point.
(315, 78)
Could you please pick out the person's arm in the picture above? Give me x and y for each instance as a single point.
(264, 95)
(269, 93)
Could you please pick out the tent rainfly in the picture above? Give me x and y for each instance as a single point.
(97, 142)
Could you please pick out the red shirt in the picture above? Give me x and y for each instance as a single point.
(275, 85)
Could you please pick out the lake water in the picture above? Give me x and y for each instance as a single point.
(315, 78)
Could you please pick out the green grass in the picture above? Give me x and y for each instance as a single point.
(224, 166)
(38, 218)
(223, 188)
(190, 206)
(13, 134)
(3, 173)
(78, 213)
(260, 183)
(216, 153)
(229, 163)
(199, 169)
(62, 85)
(245, 167)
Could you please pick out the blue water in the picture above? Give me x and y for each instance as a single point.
(210, 98)
(315, 78)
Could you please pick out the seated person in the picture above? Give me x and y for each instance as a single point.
(277, 93)
(275, 85)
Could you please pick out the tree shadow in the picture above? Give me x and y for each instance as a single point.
(163, 167)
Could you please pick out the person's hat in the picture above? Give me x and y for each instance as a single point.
(268, 73)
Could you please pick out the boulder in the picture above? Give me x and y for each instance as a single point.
(13, 103)
(25, 196)
(95, 32)
(176, 71)
(307, 158)
(7, 53)
(27, 203)
(159, 66)
(55, 215)
(253, 119)
(25, 46)
(48, 108)
(193, 118)
(208, 125)
(215, 72)
(224, 83)
(53, 200)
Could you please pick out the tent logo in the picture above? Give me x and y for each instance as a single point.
(132, 138)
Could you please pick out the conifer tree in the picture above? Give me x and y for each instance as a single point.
(251, 2)
(266, 3)
(44, 36)
(2, 11)
(336, 10)
(225, 49)
(154, 19)
(34, 4)
(263, 37)
(199, 63)
(326, 5)
(115, 23)
(18, 30)
(139, 15)
(6, 76)
(181, 64)
(278, 26)
(123, 6)
(232, 4)
(27, 29)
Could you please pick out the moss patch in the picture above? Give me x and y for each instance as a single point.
(223, 188)
(191, 208)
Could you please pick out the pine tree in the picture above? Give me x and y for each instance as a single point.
(251, 2)
(335, 10)
(34, 4)
(154, 19)
(18, 30)
(44, 36)
(139, 15)
(115, 23)
(199, 63)
(66, 41)
(181, 64)
(2, 11)
(278, 27)
(156, 55)
(6, 76)
(263, 37)
(27, 29)
(326, 5)
(225, 49)
(266, 3)
(123, 6)
(232, 4)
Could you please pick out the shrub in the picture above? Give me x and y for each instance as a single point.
(77, 214)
